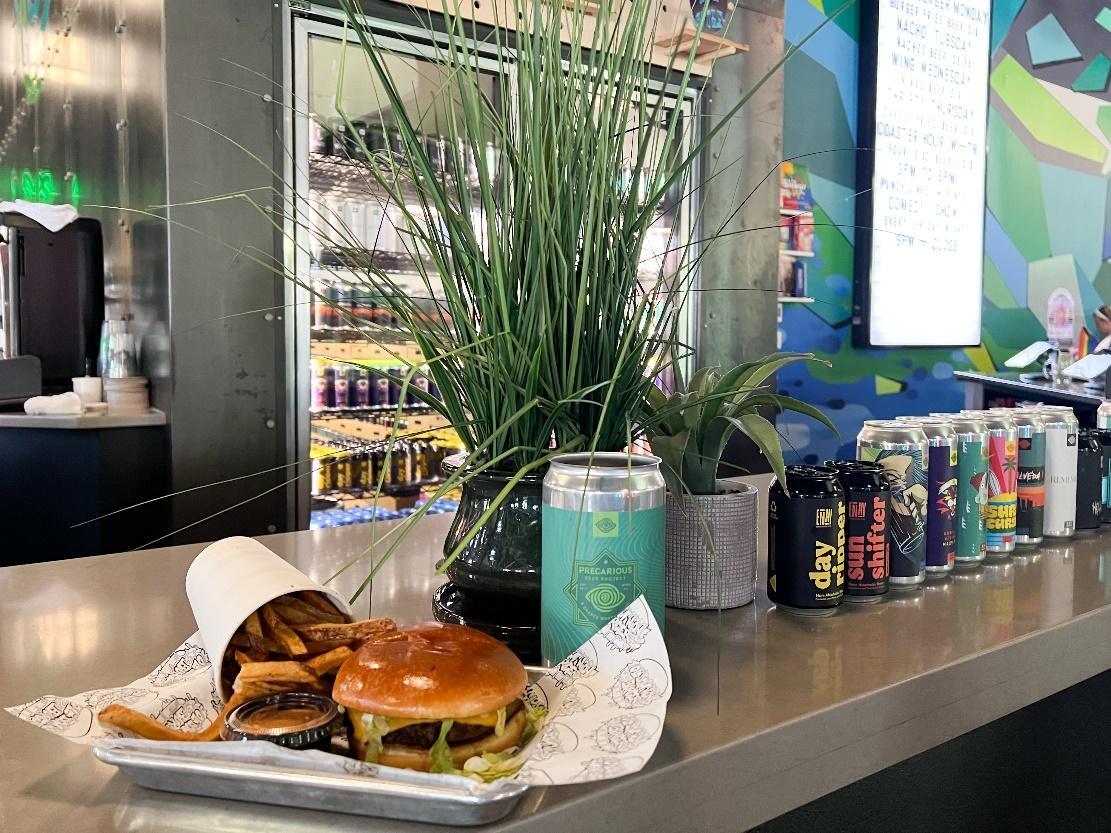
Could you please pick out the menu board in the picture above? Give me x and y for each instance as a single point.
(921, 265)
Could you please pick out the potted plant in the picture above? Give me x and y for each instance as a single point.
(533, 312)
(711, 522)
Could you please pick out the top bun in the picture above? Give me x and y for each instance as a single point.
(439, 671)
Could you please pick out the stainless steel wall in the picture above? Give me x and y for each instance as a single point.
(99, 119)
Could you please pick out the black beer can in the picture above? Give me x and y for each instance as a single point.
(1105, 441)
(358, 388)
(806, 541)
(1089, 479)
(329, 386)
(867, 504)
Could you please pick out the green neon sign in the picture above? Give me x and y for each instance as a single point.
(41, 185)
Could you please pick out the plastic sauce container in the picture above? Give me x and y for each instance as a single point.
(296, 720)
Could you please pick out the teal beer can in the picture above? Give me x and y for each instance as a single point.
(603, 545)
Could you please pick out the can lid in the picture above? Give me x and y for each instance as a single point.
(889, 423)
(801, 476)
(932, 419)
(858, 474)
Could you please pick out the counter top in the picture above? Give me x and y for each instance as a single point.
(1068, 392)
(71, 422)
(769, 712)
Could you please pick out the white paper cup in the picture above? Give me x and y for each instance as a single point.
(89, 389)
(230, 580)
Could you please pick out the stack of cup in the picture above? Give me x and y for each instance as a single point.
(127, 397)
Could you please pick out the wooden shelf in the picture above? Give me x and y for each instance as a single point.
(710, 47)
(362, 351)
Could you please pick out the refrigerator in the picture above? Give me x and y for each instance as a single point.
(336, 409)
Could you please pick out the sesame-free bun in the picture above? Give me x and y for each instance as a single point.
(437, 671)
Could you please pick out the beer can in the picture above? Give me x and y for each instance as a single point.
(1061, 427)
(1001, 519)
(603, 529)
(972, 489)
(941, 508)
(329, 394)
(1103, 415)
(903, 451)
(1030, 517)
(1089, 479)
(806, 541)
(341, 386)
(359, 382)
(867, 507)
(1105, 442)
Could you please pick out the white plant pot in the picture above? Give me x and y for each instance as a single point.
(697, 579)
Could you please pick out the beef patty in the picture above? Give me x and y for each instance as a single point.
(423, 735)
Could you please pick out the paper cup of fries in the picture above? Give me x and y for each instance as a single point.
(238, 588)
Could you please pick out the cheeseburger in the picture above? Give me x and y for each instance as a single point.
(433, 697)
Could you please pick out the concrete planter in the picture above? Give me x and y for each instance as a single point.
(696, 579)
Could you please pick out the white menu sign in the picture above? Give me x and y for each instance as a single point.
(928, 184)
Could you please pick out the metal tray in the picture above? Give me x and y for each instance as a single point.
(385, 791)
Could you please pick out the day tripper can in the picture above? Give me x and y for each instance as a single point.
(1002, 516)
(603, 528)
(1030, 518)
(903, 451)
(1061, 426)
(806, 541)
(972, 489)
(867, 508)
(941, 533)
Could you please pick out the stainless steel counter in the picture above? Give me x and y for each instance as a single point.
(769, 711)
(1069, 393)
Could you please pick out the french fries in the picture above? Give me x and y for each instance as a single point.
(296, 642)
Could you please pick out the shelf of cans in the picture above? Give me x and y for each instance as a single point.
(328, 518)
(350, 469)
(927, 495)
(337, 386)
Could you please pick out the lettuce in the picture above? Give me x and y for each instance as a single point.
(441, 752)
(375, 728)
(499, 727)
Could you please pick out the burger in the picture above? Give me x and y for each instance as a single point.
(434, 697)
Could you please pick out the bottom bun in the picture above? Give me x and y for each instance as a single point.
(410, 757)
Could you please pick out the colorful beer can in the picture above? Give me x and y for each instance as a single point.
(1089, 479)
(972, 489)
(806, 541)
(903, 451)
(603, 529)
(941, 533)
(867, 509)
(1030, 517)
(1061, 427)
(1001, 519)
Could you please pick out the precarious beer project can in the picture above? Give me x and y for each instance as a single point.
(903, 451)
(867, 508)
(1030, 518)
(1002, 514)
(941, 533)
(806, 541)
(972, 489)
(1089, 479)
(1061, 426)
(603, 545)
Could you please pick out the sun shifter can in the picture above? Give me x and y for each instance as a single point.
(806, 541)
(1030, 518)
(1089, 479)
(867, 507)
(972, 488)
(903, 451)
(941, 532)
(1061, 427)
(1002, 513)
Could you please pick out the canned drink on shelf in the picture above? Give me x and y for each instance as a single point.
(1089, 479)
(1103, 415)
(1105, 442)
(1061, 427)
(358, 387)
(867, 509)
(1030, 517)
(972, 489)
(903, 451)
(941, 509)
(342, 386)
(806, 541)
(1001, 520)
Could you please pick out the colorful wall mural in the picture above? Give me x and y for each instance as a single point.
(1047, 225)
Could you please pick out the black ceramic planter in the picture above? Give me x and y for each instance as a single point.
(494, 583)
